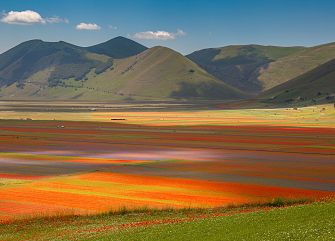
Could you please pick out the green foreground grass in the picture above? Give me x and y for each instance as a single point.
(313, 221)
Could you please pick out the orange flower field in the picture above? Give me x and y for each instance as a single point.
(93, 167)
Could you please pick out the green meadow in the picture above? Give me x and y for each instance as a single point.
(314, 221)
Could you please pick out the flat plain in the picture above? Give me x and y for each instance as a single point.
(67, 160)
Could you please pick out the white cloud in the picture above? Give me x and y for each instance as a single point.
(57, 20)
(159, 35)
(29, 17)
(24, 17)
(112, 27)
(88, 26)
(180, 33)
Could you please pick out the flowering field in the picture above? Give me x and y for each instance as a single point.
(55, 167)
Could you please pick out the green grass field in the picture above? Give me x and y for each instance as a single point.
(315, 221)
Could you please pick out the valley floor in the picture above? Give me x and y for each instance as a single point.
(63, 161)
(170, 114)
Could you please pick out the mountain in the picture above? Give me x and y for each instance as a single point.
(240, 65)
(121, 69)
(314, 87)
(118, 48)
(42, 70)
(296, 64)
(160, 73)
(53, 60)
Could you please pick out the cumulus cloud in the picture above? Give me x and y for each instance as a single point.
(24, 17)
(29, 17)
(88, 26)
(159, 35)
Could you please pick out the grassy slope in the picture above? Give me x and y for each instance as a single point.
(296, 64)
(316, 86)
(158, 73)
(239, 65)
(63, 59)
(29, 70)
(307, 222)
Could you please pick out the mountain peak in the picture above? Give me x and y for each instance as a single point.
(121, 38)
(39, 42)
(164, 50)
(118, 48)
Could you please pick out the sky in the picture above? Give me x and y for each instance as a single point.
(183, 25)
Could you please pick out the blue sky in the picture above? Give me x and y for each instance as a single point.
(185, 25)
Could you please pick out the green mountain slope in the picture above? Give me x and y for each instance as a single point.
(239, 65)
(315, 86)
(118, 48)
(296, 64)
(58, 60)
(158, 73)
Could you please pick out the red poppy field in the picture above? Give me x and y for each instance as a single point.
(88, 167)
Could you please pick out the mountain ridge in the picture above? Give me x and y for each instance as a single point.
(163, 73)
(121, 68)
(21, 62)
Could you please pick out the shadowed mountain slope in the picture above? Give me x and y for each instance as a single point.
(58, 60)
(241, 65)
